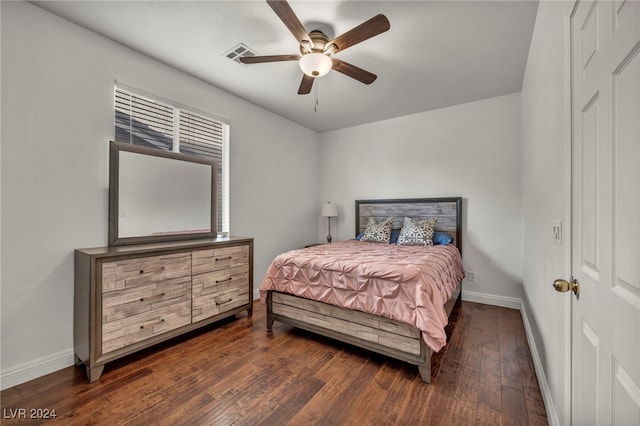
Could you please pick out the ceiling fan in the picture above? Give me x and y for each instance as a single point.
(316, 47)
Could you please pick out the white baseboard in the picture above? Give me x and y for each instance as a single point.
(36, 368)
(491, 299)
(552, 414)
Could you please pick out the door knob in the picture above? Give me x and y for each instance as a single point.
(563, 286)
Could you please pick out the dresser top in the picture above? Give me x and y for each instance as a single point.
(172, 245)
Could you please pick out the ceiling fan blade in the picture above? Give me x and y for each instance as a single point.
(290, 20)
(305, 85)
(371, 28)
(352, 71)
(271, 58)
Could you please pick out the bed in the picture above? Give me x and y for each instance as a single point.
(392, 299)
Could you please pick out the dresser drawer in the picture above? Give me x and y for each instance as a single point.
(136, 328)
(129, 273)
(219, 291)
(119, 304)
(219, 258)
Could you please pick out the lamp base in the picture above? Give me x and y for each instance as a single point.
(328, 229)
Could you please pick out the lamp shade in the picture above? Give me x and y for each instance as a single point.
(315, 64)
(329, 210)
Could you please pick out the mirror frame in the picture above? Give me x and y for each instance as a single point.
(114, 180)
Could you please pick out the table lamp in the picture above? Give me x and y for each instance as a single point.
(329, 210)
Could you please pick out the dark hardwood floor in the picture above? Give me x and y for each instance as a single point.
(235, 372)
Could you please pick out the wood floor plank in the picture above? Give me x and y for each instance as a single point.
(490, 387)
(514, 409)
(535, 407)
(338, 377)
(487, 415)
(392, 408)
(236, 372)
(281, 404)
(417, 405)
(344, 405)
(367, 408)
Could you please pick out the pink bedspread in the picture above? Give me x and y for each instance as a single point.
(406, 283)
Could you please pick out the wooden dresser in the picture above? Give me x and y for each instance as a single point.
(131, 297)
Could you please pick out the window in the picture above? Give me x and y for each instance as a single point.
(140, 120)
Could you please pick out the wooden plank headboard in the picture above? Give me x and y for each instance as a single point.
(448, 211)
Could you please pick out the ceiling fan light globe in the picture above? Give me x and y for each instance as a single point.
(315, 64)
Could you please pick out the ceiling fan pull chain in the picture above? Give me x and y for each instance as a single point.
(315, 108)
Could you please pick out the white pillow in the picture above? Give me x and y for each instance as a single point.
(417, 234)
(378, 232)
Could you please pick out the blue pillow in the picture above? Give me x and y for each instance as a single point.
(359, 236)
(442, 238)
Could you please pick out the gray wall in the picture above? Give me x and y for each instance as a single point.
(546, 199)
(470, 150)
(57, 118)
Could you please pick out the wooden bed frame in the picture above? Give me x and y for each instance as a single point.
(378, 334)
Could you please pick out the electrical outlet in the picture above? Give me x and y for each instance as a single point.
(471, 276)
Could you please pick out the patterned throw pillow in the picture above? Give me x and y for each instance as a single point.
(417, 234)
(378, 232)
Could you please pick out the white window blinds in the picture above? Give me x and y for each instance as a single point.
(143, 121)
(199, 135)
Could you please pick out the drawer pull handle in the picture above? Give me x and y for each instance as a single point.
(159, 322)
(223, 281)
(223, 258)
(223, 302)
(142, 271)
(157, 296)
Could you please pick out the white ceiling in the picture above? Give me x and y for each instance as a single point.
(436, 54)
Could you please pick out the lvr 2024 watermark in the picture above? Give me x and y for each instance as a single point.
(28, 413)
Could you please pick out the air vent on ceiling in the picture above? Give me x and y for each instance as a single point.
(240, 51)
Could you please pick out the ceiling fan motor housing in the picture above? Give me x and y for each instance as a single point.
(320, 44)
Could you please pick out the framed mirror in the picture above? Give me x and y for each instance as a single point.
(157, 195)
